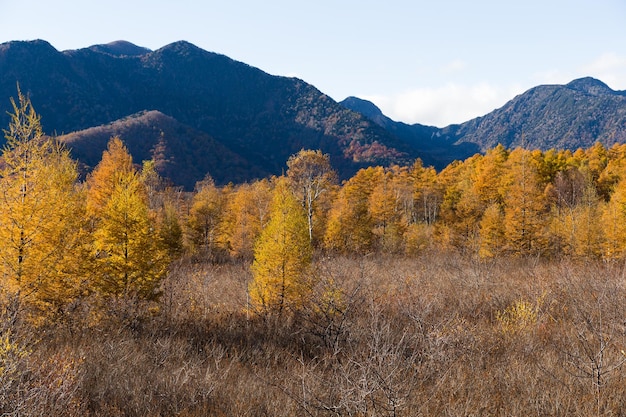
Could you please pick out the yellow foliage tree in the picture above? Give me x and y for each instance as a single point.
(170, 230)
(526, 207)
(205, 216)
(130, 259)
(488, 176)
(427, 194)
(282, 255)
(40, 217)
(614, 223)
(576, 210)
(390, 190)
(461, 207)
(491, 232)
(116, 161)
(246, 213)
(311, 175)
(350, 224)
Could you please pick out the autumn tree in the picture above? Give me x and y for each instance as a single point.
(487, 177)
(350, 224)
(282, 255)
(41, 216)
(427, 194)
(116, 161)
(310, 175)
(614, 168)
(461, 207)
(170, 229)
(205, 216)
(129, 258)
(492, 239)
(575, 229)
(526, 208)
(245, 215)
(614, 223)
(391, 190)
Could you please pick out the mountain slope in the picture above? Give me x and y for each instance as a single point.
(182, 154)
(260, 117)
(204, 113)
(568, 116)
(434, 149)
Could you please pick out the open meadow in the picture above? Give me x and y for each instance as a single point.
(440, 334)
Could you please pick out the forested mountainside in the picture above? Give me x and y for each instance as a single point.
(571, 116)
(209, 114)
(261, 118)
(182, 154)
(434, 149)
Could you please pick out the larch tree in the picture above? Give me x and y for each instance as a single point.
(245, 215)
(575, 229)
(427, 194)
(488, 176)
(164, 203)
(129, 257)
(526, 207)
(282, 255)
(385, 208)
(350, 224)
(169, 228)
(40, 217)
(205, 216)
(461, 207)
(116, 161)
(614, 223)
(491, 232)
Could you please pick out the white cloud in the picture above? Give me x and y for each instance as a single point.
(445, 105)
(609, 68)
(552, 76)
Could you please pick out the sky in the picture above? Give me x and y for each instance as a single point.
(430, 62)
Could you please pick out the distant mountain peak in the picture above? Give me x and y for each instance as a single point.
(120, 48)
(181, 47)
(365, 107)
(590, 85)
(37, 44)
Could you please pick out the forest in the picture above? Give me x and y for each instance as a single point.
(492, 287)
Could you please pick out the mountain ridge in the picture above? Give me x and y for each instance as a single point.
(570, 116)
(222, 106)
(120, 48)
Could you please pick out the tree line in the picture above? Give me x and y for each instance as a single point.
(113, 236)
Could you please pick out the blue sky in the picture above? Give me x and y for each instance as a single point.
(430, 62)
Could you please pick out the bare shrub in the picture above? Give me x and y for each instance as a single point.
(438, 334)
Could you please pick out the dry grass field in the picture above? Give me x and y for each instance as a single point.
(437, 335)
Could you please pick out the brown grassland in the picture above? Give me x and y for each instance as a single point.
(495, 287)
(434, 335)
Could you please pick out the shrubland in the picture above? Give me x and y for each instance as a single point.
(493, 287)
(438, 334)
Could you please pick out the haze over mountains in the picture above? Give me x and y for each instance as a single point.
(198, 112)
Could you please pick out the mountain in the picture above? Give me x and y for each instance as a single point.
(198, 112)
(182, 154)
(120, 48)
(434, 149)
(258, 118)
(570, 116)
